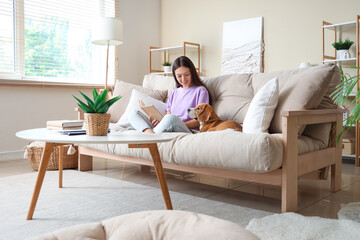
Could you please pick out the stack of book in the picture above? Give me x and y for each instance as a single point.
(65, 124)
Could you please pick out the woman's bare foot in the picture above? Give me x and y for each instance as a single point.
(148, 130)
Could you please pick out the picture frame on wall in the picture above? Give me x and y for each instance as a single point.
(243, 46)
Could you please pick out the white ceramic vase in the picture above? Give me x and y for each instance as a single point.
(343, 54)
(167, 69)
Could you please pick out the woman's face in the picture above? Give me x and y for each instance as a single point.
(183, 76)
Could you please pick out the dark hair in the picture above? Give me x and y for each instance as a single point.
(184, 61)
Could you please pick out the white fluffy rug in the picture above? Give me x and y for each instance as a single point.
(292, 226)
(88, 198)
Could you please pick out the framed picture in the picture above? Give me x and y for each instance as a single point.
(243, 46)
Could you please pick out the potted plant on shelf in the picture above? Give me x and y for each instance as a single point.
(167, 66)
(341, 96)
(95, 112)
(343, 48)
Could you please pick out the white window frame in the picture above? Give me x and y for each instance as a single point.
(18, 76)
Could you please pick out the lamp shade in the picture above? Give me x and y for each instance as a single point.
(107, 31)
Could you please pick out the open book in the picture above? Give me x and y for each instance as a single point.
(151, 111)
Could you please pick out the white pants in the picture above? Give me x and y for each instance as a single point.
(169, 123)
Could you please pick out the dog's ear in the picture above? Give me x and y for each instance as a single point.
(204, 114)
(208, 111)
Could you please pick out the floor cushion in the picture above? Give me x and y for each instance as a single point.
(160, 224)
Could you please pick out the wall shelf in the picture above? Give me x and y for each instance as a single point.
(338, 30)
(177, 51)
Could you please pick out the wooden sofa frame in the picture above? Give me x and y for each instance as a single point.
(314, 165)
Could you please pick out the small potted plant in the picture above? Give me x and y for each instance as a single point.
(95, 112)
(342, 48)
(167, 66)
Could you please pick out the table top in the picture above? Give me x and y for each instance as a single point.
(128, 137)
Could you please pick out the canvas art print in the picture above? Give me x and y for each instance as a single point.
(243, 46)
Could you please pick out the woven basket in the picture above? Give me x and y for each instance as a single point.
(97, 124)
(69, 161)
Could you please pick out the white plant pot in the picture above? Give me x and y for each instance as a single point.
(343, 54)
(167, 69)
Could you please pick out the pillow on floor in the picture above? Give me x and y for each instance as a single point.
(262, 108)
(124, 89)
(134, 105)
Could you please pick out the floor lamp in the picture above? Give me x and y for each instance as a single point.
(107, 31)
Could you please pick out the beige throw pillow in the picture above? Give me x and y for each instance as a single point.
(303, 90)
(124, 89)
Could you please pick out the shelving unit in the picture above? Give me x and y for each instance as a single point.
(177, 51)
(338, 30)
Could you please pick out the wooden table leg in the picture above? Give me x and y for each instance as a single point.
(40, 178)
(61, 165)
(154, 151)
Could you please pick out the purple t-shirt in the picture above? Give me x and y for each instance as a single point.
(183, 98)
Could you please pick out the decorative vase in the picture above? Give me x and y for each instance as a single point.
(343, 54)
(97, 124)
(167, 69)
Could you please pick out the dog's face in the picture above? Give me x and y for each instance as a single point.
(201, 112)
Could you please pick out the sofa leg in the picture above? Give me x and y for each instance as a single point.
(85, 163)
(335, 184)
(289, 194)
(289, 171)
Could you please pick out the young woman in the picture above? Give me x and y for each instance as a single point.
(190, 92)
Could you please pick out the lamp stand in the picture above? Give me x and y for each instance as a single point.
(107, 65)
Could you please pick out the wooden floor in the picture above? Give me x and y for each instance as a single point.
(315, 198)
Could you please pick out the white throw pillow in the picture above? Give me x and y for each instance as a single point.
(134, 105)
(262, 108)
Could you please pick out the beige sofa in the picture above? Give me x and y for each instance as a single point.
(277, 158)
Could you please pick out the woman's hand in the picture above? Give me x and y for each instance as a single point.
(154, 122)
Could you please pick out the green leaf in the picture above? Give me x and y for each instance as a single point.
(100, 105)
(89, 101)
(95, 94)
(103, 109)
(101, 98)
(341, 97)
(85, 108)
(113, 100)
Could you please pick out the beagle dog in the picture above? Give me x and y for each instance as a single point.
(209, 120)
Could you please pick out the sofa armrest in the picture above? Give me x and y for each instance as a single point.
(313, 116)
(293, 119)
(80, 113)
(295, 165)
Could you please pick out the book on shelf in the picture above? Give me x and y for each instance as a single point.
(151, 111)
(65, 124)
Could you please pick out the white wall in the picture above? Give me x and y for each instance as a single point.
(292, 29)
(30, 107)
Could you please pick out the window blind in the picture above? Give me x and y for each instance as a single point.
(7, 40)
(51, 40)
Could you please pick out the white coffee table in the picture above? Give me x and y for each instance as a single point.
(134, 140)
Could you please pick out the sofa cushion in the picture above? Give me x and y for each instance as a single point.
(300, 89)
(262, 107)
(259, 152)
(231, 95)
(125, 89)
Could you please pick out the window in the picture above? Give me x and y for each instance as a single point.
(51, 41)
